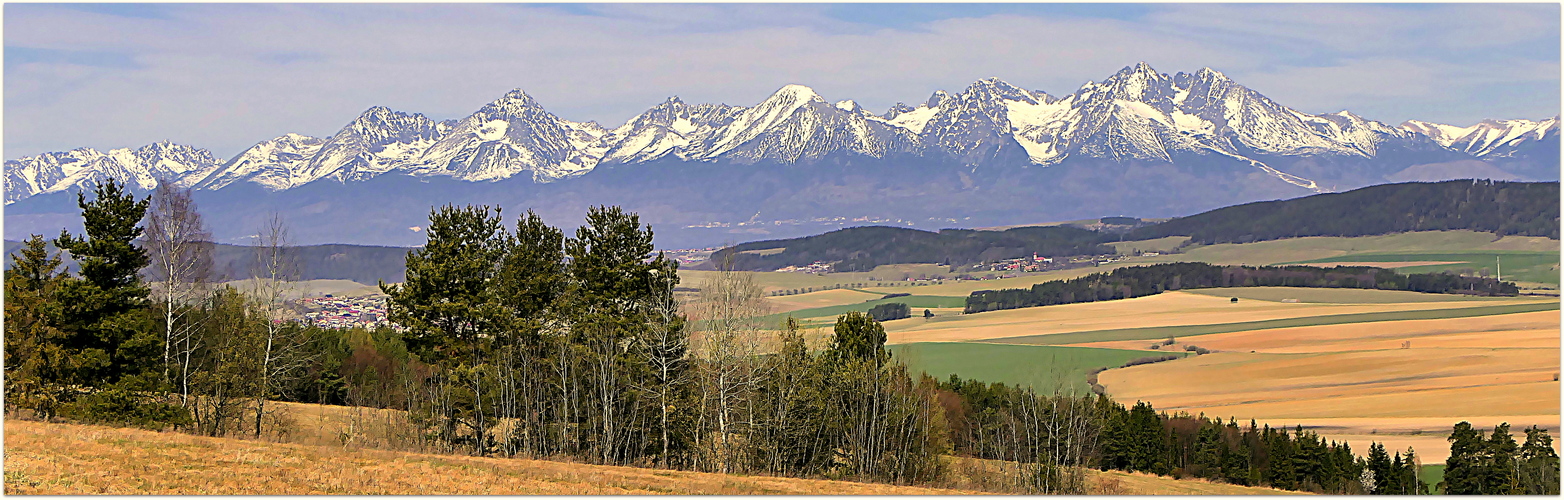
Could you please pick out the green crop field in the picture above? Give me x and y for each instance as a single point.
(1044, 368)
(1326, 247)
(1433, 474)
(1162, 332)
(1536, 267)
(917, 302)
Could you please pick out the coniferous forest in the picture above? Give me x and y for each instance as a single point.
(529, 342)
(1140, 281)
(1503, 208)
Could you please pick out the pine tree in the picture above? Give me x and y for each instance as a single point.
(110, 340)
(859, 337)
(615, 282)
(34, 360)
(1464, 468)
(1500, 474)
(1539, 464)
(449, 305)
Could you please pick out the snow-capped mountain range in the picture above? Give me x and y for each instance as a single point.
(1135, 115)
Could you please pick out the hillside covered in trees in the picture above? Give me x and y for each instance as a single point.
(1503, 208)
(1140, 281)
(863, 248)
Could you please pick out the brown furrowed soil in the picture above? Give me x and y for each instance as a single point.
(68, 459)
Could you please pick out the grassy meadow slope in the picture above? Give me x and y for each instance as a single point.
(64, 459)
(68, 459)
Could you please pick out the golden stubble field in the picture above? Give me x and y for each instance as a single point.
(1403, 383)
(68, 459)
(1161, 310)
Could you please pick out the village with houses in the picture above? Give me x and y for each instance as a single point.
(329, 311)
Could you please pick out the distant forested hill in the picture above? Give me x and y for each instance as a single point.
(1504, 208)
(863, 248)
(361, 263)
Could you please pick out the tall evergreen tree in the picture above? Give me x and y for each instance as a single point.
(34, 360)
(1539, 464)
(1464, 469)
(615, 282)
(111, 339)
(449, 305)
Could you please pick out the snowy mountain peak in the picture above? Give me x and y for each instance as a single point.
(1210, 74)
(1497, 138)
(1136, 114)
(795, 93)
(897, 110)
(938, 99)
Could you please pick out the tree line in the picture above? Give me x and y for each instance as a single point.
(864, 248)
(1496, 466)
(1140, 281)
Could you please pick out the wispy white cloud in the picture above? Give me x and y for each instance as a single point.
(224, 76)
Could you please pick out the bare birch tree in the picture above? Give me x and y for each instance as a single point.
(728, 314)
(179, 247)
(273, 278)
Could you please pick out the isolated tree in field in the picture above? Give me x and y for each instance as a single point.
(859, 337)
(179, 247)
(448, 303)
(111, 339)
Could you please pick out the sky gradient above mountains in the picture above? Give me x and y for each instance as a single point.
(221, 76)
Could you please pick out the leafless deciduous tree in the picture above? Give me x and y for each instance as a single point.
(727, 344)
(273, 278)
(180, 250)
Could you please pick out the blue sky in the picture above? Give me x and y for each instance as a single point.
(225, 76)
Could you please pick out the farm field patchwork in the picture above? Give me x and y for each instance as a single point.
(825, 298)
(1182, 309)
(828, 314)
(1403, 383)
(1154, 333)
(1322, 247)
(1536, 267)
(1337, 295)
(1044, 368)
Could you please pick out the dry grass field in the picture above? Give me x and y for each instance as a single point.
(67, 459)
(1161, 310)
(63, 459)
